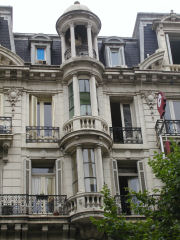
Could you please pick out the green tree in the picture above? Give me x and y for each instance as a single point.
(161, 210)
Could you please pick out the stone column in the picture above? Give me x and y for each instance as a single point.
(93, 94)
(63, 46)
(73, 48)
(89, 38)
(3, 231)
(99, 169)
(80, 169)
(76, 96)
(96, 47)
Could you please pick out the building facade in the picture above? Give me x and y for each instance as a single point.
(78, 111)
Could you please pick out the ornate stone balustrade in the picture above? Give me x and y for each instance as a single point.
(85, 202)
(85, 123)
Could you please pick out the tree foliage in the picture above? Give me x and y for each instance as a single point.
(161, 210)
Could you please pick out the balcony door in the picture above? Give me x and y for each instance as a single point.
(172, 113)
(121, 115)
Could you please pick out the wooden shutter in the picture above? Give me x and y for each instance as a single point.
(116, 179)
(1, 104)
(28, 176)
(58, 177)
(53, 111)
(140, 166)
(33, 111)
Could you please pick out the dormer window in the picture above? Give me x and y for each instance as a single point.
(41, 49)
(114, 52)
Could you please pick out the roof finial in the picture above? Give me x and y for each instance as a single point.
(76, 2)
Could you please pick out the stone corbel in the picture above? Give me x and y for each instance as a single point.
(5, 149)
(150, 98)
(13, 97)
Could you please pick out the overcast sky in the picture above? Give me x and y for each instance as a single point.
(117, 16)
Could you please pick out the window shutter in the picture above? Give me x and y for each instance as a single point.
(33, 111)
(1, 104)
(28, 176)
(58, 176)
(141, 174)
(53, 111)
(115, 173)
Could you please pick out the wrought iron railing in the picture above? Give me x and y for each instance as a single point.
(123, 203)
(81, 50)
(23, 204)
(5, 125)
(168, 127)
(42, 134)
(126, 135)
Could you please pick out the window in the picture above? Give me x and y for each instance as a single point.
(172, 113)
(42, 111)
(121, 115)
(84, 92)
(71, 101)
(41, 176)
(41, 54)
(128, 175)
(89, 170)
(173, 44)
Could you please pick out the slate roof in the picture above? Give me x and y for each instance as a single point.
(4, 33)
(131, 48)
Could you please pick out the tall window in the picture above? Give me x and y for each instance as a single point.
(173, 42)
(71, 101)
(85, 102)
(115, 57)
(89, 170)
(172, 113)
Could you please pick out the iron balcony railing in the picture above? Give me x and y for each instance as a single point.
(81, 50)
(123, 203)
(126, 135)
(42, 134)
(22, 204)
(5, 125)
(168, 127)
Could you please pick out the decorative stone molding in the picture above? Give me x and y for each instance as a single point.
(150, 98)
(13, 96)
(9, 58)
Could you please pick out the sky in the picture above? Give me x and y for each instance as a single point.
(117, 17)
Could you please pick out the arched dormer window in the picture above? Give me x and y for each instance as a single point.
(40, 49)
(114, 52)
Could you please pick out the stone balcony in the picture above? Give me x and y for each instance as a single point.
(84, 205)
(86, 130)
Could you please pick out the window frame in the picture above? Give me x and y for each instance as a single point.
(87, 91)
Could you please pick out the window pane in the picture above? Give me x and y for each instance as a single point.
(71, 100)
(85, 110)
(38, 114)
(81, 86)
(88, 155)
(40, 54)
(42, 170)
(115, 57)
(89, 170)
(90, 185)
(47, 114)
(127, 115)
(176, 105)
(167, 111)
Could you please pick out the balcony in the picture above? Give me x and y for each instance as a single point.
(126, 135)
(85, 123)
(22, 204)
(167, 128)
(42, 134)
(5, 125)
(85, 203)
(80, 51)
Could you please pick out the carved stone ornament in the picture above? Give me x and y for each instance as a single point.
(151, 100)
(13, 97)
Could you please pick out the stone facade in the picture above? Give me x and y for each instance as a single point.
(78, 111)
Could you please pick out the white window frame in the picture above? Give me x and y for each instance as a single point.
(47, 52)
(120, 50)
